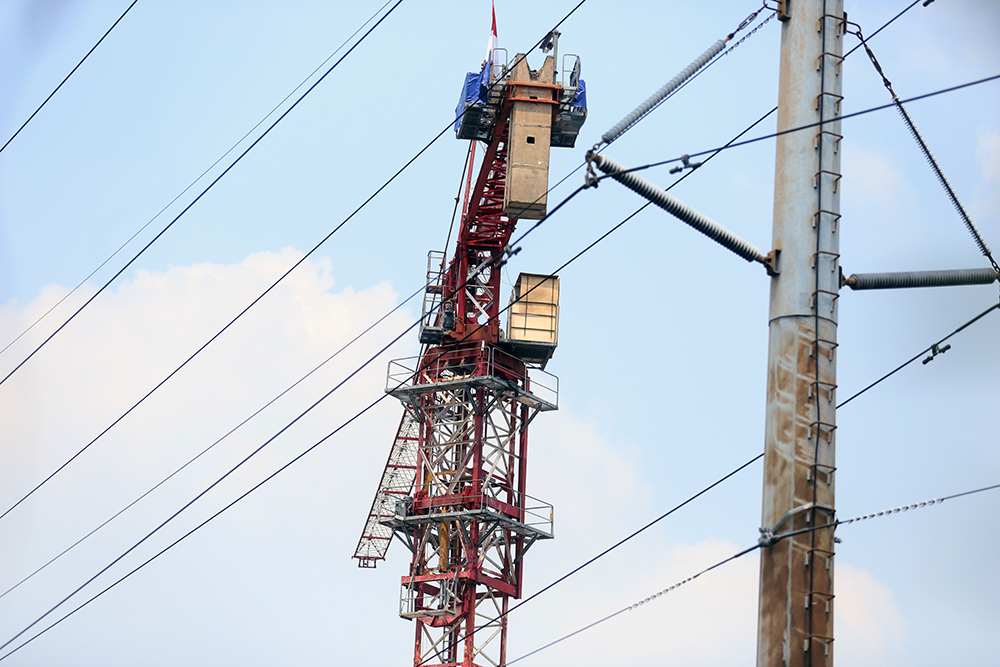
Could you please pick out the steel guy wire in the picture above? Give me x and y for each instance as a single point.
(72, 71)
(761, 25)
(763, 543)
(211, 446)
(931, 160)
(674, 92)
(886, 24)
(202, 194)
(921, 353)
(252, 303)
(196, 180)
(283, 276)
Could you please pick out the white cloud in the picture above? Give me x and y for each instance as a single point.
(868, 624)
(986, 201)
(258, 565)
(873, 182)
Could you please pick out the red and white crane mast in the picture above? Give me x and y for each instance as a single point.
(453, 489)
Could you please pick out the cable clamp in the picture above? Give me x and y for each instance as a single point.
(686, 164)
(935, 351)
(508, 252)
(591, 179)
(770, 537)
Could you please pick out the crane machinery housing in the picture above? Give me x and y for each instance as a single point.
(454, 486)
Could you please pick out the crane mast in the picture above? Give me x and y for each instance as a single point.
(454, 486)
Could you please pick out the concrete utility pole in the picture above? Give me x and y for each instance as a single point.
(795, 625)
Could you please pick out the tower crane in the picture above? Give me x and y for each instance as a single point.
(454, 486)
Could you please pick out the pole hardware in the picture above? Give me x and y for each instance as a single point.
(685, 164)
(770, 537)
(896, 280)
(771, 263)
(677, 208)
(782, 10)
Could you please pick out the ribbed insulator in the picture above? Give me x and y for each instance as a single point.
(658, 96)
(679, 209)
(921, 279)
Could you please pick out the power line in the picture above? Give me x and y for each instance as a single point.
(762, 543)
(92, 49)
(261, 447)
(211, 446)
(253, 303)
(921, 353)
(196, 180)
(606, 552)
(202, 194)
(639, 603)
(813, 125)
(411, 327)
(241, 463)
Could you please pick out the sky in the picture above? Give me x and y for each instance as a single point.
(662, 351)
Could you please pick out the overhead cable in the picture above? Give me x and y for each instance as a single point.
(282, 277)
(202, 194)
(211, 446)
(769, 539)
(922, 353)
(45, 101)
(800, 128)
(241, 313)
(599, 556)
(638, 604)
(762, 543)
(261, 447)
(195, 181)
(226, 475)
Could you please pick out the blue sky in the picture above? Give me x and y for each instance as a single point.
(662, 343)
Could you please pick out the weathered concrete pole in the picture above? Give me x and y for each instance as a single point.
(796, 578)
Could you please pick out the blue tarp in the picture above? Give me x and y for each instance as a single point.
(473, 92)
(581, 95)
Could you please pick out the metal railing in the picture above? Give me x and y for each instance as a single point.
(479, 362)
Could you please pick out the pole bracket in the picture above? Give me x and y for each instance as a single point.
(770, 537)
(771, 262)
